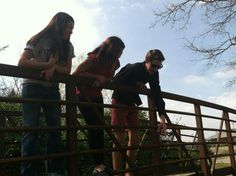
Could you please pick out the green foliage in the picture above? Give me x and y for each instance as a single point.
(85, 161)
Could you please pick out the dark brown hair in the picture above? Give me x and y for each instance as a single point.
(109, 50)
(154, 54)
(55, 30)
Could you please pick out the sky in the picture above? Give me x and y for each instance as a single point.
(130, 20)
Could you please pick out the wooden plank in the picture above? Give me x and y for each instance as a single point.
(155, 138)
(202, 147)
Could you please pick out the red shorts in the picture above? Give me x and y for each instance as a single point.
(123, 116)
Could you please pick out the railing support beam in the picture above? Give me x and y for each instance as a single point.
(201, 139)
(155, 137)
(230, 141)
(71, 134)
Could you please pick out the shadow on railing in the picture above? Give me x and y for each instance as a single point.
(184, 149)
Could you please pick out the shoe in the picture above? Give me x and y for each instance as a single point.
(102, 173)
(106, 172)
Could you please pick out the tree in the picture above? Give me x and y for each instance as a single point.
(3, 48)
(218, 16)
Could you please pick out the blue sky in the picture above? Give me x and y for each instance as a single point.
(130, 20)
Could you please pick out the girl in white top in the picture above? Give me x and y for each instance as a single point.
(49, 51)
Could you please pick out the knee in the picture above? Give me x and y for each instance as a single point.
(119, 135)
(133, 136)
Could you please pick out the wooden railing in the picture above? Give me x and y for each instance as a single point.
(195, 155)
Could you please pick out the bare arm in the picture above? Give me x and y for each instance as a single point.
(83, 68)
(162, 126)
(66, 68)
(25, 61)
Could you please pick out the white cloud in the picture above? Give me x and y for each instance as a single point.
(225, 74)
(227, 99)
(195, 79)
(137, 5)
(201, 3)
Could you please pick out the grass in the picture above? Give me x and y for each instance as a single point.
(222, 165)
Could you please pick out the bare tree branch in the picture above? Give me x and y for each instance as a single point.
(3, 48)
(211, 54)
(215, 43)
(9, 87)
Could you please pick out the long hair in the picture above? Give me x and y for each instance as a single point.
(109, 50)
(55, 30)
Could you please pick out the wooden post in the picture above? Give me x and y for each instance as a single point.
(217, 145)
(71, 134)
(155, 137)
(2, 135)
(230, 141)
(201, 139)
(2, 141)
(181, 153)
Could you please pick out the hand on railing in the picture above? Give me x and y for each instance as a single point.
(48, 73)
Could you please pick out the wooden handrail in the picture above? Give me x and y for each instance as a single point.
(72, 127)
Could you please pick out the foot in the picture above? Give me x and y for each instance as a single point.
(105, 172)
(100, 173)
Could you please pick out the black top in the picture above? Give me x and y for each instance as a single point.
(131, 74)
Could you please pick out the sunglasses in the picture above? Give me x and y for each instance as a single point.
(154, 66)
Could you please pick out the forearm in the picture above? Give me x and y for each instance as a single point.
(62, 69)
(87, 74)
(159, 102)
(34, 64)
(162, 118)
(82, 69)
(162, 126)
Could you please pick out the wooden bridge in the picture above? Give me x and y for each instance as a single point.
(183, 150)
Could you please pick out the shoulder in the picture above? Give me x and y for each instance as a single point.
(44, 42)
(89, 60)
(137, 67)
(131, 68)
(134, 65)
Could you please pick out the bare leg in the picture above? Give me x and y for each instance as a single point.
(133, 140)
(117, 156)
